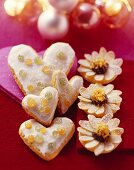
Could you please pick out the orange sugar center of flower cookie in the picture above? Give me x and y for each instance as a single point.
(98, 97)
(99, 65)
(102, 133)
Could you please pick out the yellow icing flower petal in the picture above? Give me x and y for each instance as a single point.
(46, 69)
(31, 103)
(22, 74)
(39, 139)
(43, 130)
(38, 61)
(30, 88)
(28, 125)
(29, 62)
(61, 130)
(31, 139)
(60, 55)
(21, 58)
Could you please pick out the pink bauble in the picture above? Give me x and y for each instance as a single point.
(64, 5)
(53, 25)
(86, 16)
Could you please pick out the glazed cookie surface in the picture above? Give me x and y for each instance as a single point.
(47, 142)
(99, 100)
(68, 90)
(61, 56)
(42, 107)
(100, 135)
(100, 67)
(33, 73)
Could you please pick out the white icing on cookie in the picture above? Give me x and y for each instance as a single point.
(42, 107)
(32, 73)
(60, 55)
(68, 90)
(47, 140)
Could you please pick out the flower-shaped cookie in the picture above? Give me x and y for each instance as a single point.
(100, 67)
(99, 100)
(100, 135)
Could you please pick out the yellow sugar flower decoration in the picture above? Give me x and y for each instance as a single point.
(100, 67)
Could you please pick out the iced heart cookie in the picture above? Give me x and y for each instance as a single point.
(31, 72)
(68, 90)
(100, 135)
(100, 67)
(47, 142)
(60, 56)
(42, 107)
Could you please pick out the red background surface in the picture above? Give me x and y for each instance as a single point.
(14, 155)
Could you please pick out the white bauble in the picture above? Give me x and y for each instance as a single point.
(53, 25)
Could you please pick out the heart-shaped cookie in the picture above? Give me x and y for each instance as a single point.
(47, 142)
(33, 73)
(42, 107)
(68, 90)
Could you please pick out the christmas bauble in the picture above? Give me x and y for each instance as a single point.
(53, 25)
(86, 16)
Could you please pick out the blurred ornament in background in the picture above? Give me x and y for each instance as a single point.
(45, 4)
(86, 16)
(54, 16)
(53, 25)
(31, 12)
(14, 7)
(64, 5)
(25, 10)
(115, 13)
(113, 7)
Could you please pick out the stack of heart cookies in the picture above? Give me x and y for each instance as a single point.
(44, 82)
